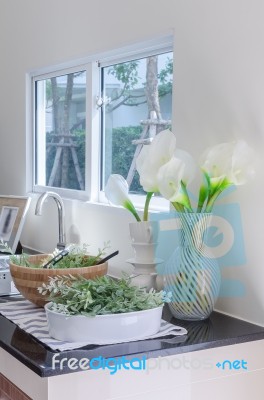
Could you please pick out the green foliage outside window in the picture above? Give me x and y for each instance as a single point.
(122, 154)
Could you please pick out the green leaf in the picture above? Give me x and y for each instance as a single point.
(100, 296)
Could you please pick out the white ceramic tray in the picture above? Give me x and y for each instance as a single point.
(104, 328)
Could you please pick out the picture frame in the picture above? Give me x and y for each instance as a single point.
(13, 210)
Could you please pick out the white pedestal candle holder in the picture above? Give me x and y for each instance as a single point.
(144, 238)
(145, 274)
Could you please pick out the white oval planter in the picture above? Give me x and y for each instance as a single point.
(101, 329)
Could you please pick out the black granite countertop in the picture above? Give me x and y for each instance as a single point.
(219, 330)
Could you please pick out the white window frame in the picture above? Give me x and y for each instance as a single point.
(92, 190)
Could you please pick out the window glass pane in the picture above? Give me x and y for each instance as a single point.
(138, 105)
(60, 131)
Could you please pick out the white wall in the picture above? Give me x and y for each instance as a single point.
(219, 95)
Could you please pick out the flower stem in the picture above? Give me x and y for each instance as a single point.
(178, 207)
(146, 208)
(187, 202)
(129, 206)
(204, 192)
(211, 199)
(210, 204)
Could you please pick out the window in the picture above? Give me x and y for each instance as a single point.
(138, 105)
(91, 120)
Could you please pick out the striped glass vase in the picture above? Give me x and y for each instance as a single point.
(192, 273)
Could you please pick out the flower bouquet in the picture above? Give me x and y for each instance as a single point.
(166, 170)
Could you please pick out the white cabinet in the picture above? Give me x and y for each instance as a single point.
(187, 376)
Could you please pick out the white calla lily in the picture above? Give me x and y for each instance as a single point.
(152, 157)
(242, 164)
(189, 165)
(173, 178)
(232, 161)
(169, 178)
(116, 191)
(224, 165)
(216, 162)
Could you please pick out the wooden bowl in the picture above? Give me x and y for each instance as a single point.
(27, 280)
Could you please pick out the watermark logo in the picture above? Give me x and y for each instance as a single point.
(112, 364)
(223, 241)
(232, 365)
(116, 364)
(182, 362)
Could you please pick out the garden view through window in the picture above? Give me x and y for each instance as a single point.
(137, 104)
(60, 130)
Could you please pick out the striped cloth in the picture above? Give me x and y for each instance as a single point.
(32, 319)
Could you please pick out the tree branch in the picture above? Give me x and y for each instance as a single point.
(124, 102)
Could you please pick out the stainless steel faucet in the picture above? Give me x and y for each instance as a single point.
(61, 214)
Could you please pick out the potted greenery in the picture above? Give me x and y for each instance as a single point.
(101, 310)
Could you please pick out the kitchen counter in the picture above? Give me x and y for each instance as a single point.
(220, 330)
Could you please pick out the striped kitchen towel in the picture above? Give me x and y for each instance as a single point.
(32, 319)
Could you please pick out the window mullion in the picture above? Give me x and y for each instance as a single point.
(40, 140)
(92, 170)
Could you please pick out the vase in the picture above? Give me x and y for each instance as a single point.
(144, 232)
(145, 274)
(192, 273)
(144, 238)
